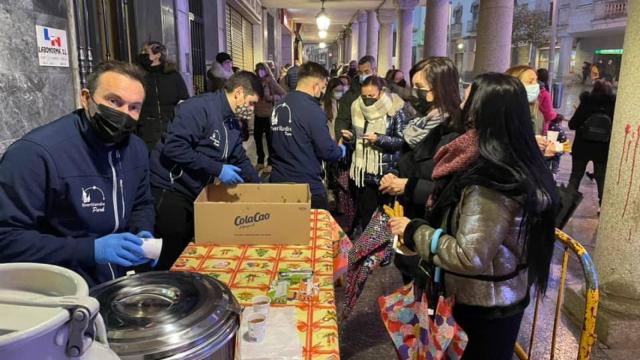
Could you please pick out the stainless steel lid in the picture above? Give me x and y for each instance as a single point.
(167, 314)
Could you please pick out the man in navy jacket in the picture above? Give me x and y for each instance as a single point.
(300, 135)
(73, 192)
(203, 143)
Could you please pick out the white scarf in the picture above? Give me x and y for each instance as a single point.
(367, 158)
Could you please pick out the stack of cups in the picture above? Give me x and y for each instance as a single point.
(257, 319)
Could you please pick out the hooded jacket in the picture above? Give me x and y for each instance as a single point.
(203, 136)
(217, 77)
(163, 88)
(300, 139)
(61, 188)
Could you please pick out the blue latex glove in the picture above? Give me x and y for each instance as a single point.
(343, 149)
(145, 234)
(230, 175)
(121, 249)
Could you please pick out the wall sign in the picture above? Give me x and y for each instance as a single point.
(52, 46)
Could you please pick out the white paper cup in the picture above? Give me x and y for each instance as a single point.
(261, 304)
(257, 325)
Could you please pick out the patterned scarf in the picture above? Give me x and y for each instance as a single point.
(457, 155)
(418, 128)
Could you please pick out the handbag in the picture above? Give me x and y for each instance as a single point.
(417, 336)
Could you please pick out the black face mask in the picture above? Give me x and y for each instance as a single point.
(144, 61)
(110, 125)
(368, 101)
(420, 104)
(402, 83)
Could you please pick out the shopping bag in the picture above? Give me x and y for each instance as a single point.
(415, 334)
(372, 249)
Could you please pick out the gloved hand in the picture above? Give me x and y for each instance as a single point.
(343, 149)
(121, 249)
(230, 175)
(145, 234)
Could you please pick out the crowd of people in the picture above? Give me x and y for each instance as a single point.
(473, 169)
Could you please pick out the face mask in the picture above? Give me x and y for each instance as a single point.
(111, 126)
(421, 105)
(532, 92)
(244, 112)
(402, 83)
(363, 77)
(144, 61)
(368, 101)
(337, 94)
(345, 88)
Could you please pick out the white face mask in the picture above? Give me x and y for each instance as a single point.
(533, 91)
(363, 77)
(337, 94)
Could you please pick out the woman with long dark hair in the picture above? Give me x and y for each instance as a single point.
(335, 89)
(490, 222)
(437, 94)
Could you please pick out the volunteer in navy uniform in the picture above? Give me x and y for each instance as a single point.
(300, 135)
(203, 143)
(75, 191)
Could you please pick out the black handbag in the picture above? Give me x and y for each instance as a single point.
(569, 201)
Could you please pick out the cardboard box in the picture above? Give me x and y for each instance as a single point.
(253, 214)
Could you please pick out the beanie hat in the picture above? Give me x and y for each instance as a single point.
(222, 57)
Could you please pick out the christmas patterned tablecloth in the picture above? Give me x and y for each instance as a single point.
(248, 271)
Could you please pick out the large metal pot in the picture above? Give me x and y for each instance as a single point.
(169, 315)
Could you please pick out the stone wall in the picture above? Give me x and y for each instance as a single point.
(32, 95)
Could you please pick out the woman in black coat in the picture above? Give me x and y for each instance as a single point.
(164, 88)
(599, 101)
(435, 81)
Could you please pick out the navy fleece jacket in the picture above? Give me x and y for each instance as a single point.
(301, 141)
(203, 136)
(61, 188)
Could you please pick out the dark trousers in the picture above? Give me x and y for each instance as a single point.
(492, 339)
(174, 224)
(368, 199)
(319, 201)
(579, 166)
(262, 126)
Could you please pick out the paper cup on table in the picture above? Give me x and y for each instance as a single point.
(261, 304)
(257, 325)
(151, 248)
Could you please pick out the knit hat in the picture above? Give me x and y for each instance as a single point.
(222, 57)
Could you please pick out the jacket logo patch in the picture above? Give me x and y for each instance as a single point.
(94, 199)
(215, 138)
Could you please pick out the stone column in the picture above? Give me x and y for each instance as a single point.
(405, 33)
(372, 34)
(385, 49)
(436, 28)
(355, 38)
(493, 50)
(564, 62)
(362, 34)
(618, 243)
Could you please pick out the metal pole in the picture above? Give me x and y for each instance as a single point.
(87, 38)
(552, 42)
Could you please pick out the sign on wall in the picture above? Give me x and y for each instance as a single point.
(52, 46)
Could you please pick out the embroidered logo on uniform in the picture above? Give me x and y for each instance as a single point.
(215, 138)
(94, 199)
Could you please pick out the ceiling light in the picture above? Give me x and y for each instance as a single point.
(460, 46)
(322, 45)
(322, 19)
(322, 34)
